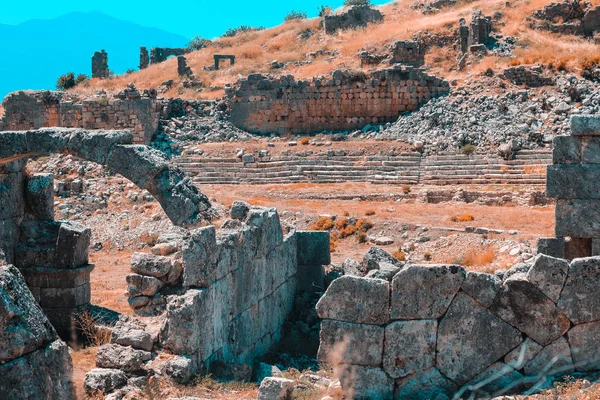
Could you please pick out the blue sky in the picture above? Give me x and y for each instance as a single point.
(188, 18)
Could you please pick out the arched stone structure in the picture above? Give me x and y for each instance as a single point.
(53, 256)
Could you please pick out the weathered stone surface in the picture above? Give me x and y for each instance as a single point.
(585, 125)
(578, 248)
(352, 267)
(386, 272)
(96, 145)
(549, 274)
(580, 298)
(264, 370)
(72, 245)
(579, 218)
(364, 383)
(583, 340)
(39, 197)
(553, 247)
(358, 300)
(482, 287)
(429, 384)
(590, 149)
(239, 210)
(42, 374)
(375, 256)
(567, 150)
(471, 338)
(409, 347)
(129, 334)
(104, 380)
(150, 265)
(554, 359)
(165, 249)
(180, 369)
(522, 354)
(425, 291)
(573, 181)
(523, 306)
(199, 258)
(275, 389)
(520, 268)
(137, 163)
(495, 380)
(346, 343)
(120, 357)
(139, 285)
(23, 326)
(313, 248)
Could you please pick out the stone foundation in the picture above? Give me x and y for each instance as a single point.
(343, 101)
(531, 76)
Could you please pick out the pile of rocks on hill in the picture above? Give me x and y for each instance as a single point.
(466, 116)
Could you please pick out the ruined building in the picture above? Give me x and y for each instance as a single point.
(408, 52)
(100, 65)
(144, 58)
(355, 17)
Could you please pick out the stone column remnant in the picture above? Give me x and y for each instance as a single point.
(100, 65)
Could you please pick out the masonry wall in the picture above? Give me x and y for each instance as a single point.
(341, 101)
(530, 76)
(438, 331)
(37, 109)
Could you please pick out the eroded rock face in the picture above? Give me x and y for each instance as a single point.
(347, 343)
(580, 298)
(548, 274)
(583, 340)
(471, 338)
(120, 357)
(428, 384)
(482, 287)
(365, 382)
(551, 360)
(409, 347)
(104, 380)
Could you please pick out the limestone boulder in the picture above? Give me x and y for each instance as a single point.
(522, 305)
(409, 347)
(275, 389)
(425, 291)
(386, 272)
(364, 382)
(104, 380)
(357, 300)
(139, 285)
(126, 358)
(583, 340)
(180, 369)
(482, 287)
(428, 384)
(375, 256)
(553, 360)
(471, 338)
(150, 265)
(200, 253)
(239, 210)
(346, 343)
(129, 334)
(352, 267)
(580, 298)
(549, 274)
(313, 248)
(72, 245)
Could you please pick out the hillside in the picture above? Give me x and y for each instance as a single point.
(38, 51)
(292, 41)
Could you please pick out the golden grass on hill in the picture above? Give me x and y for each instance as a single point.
(255, 50)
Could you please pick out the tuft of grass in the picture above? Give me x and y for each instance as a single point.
(477, 258)
(341, 223)
(361, 237)
(468, 149)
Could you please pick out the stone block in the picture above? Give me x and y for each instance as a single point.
(346, 343)
(150, 265)
(553, 247)
(573, 181)
(311, 278)
(567, 150)
(577, 248)
(580, 298)
(104, 380)
(364, 383)
(72, 245)
(239, 210)
(125, 358)
(524, 306)
(376, 256)
(96, 145)
(585, 125)
(199, 258)
(137, 163)
(65, 297)
(424, 291)
(409, 347)
(275, 389)
(313, 248)
(590, 150)
(130, 334)
(44, 277)
(583, 341)
(180, 369)
(577, 218)
(548, 274)
(428, 384)
(471, 338)
(553, 360)
(482, 287)
(357, 300)
(39, 197)
(522, 354)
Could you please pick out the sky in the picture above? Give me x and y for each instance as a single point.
(209, 19)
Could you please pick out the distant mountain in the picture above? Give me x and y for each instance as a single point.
(35, 53)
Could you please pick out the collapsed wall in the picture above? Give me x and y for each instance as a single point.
(34, 362)
(130, 109)
(343, 101)
(438, 331)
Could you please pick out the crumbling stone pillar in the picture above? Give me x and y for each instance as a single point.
(313, 255)
(100, 65)
(144, 58)
(481, 27)
(182, 67)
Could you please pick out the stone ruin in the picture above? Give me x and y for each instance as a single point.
(355, 17)
(532, 76)
(219, 57)
(100, 65)
(144, 58)
(473, 38)
(571, 181)
(183, 69)
(160, 54)
(408, 52)
(572, 17)
(342, 101)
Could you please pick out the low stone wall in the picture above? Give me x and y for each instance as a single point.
(530, 76)
(342, 101)
(438, 331)
(34, 363)
(355, 17)
(37, 109)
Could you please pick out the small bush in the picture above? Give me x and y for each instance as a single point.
(292, 15)
(304, 141)
(333, 242)
(405, 189)
(324, 10)
(322, 224)
(348, 231)
(66, 81)
(341, 223)
(361, 237)
(427, 256)
(346, 213)
(198, 42)
(369, 213)
(468, 149)
(399, 255)
(589, 62)
(352, 3)
(231, 32)
(462, 218)
(81, 78)
(363, 225)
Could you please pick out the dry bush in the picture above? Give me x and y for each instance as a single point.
(427, 256)
(88, 324)
(369, 213)
(346, 213)
(322, 224)
(333, 242)
(341, 223)
(304, 141)
(347, 231)
(364, 225)
(478, 258)
(405, 189)
(361, 237)
(399, 255)
(462, 218)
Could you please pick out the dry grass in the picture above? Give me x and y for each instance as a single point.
(462, 218)
(478, 258)
(255, 50)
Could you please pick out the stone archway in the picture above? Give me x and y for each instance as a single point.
(53, 256)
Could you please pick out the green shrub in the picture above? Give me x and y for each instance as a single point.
(292, 15)
(468, 149)
(66, 81)
(352, 3)
(324, 10)
(198, 42)
(231, 32)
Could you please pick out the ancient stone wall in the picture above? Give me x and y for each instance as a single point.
(408, 52)
(531, 76)
(355, 17)
(144, 58)
(438, 331)
(160, 54)
(34, 362)
(341, 101)
(100, 65)
(567, 17)
(129, 110)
